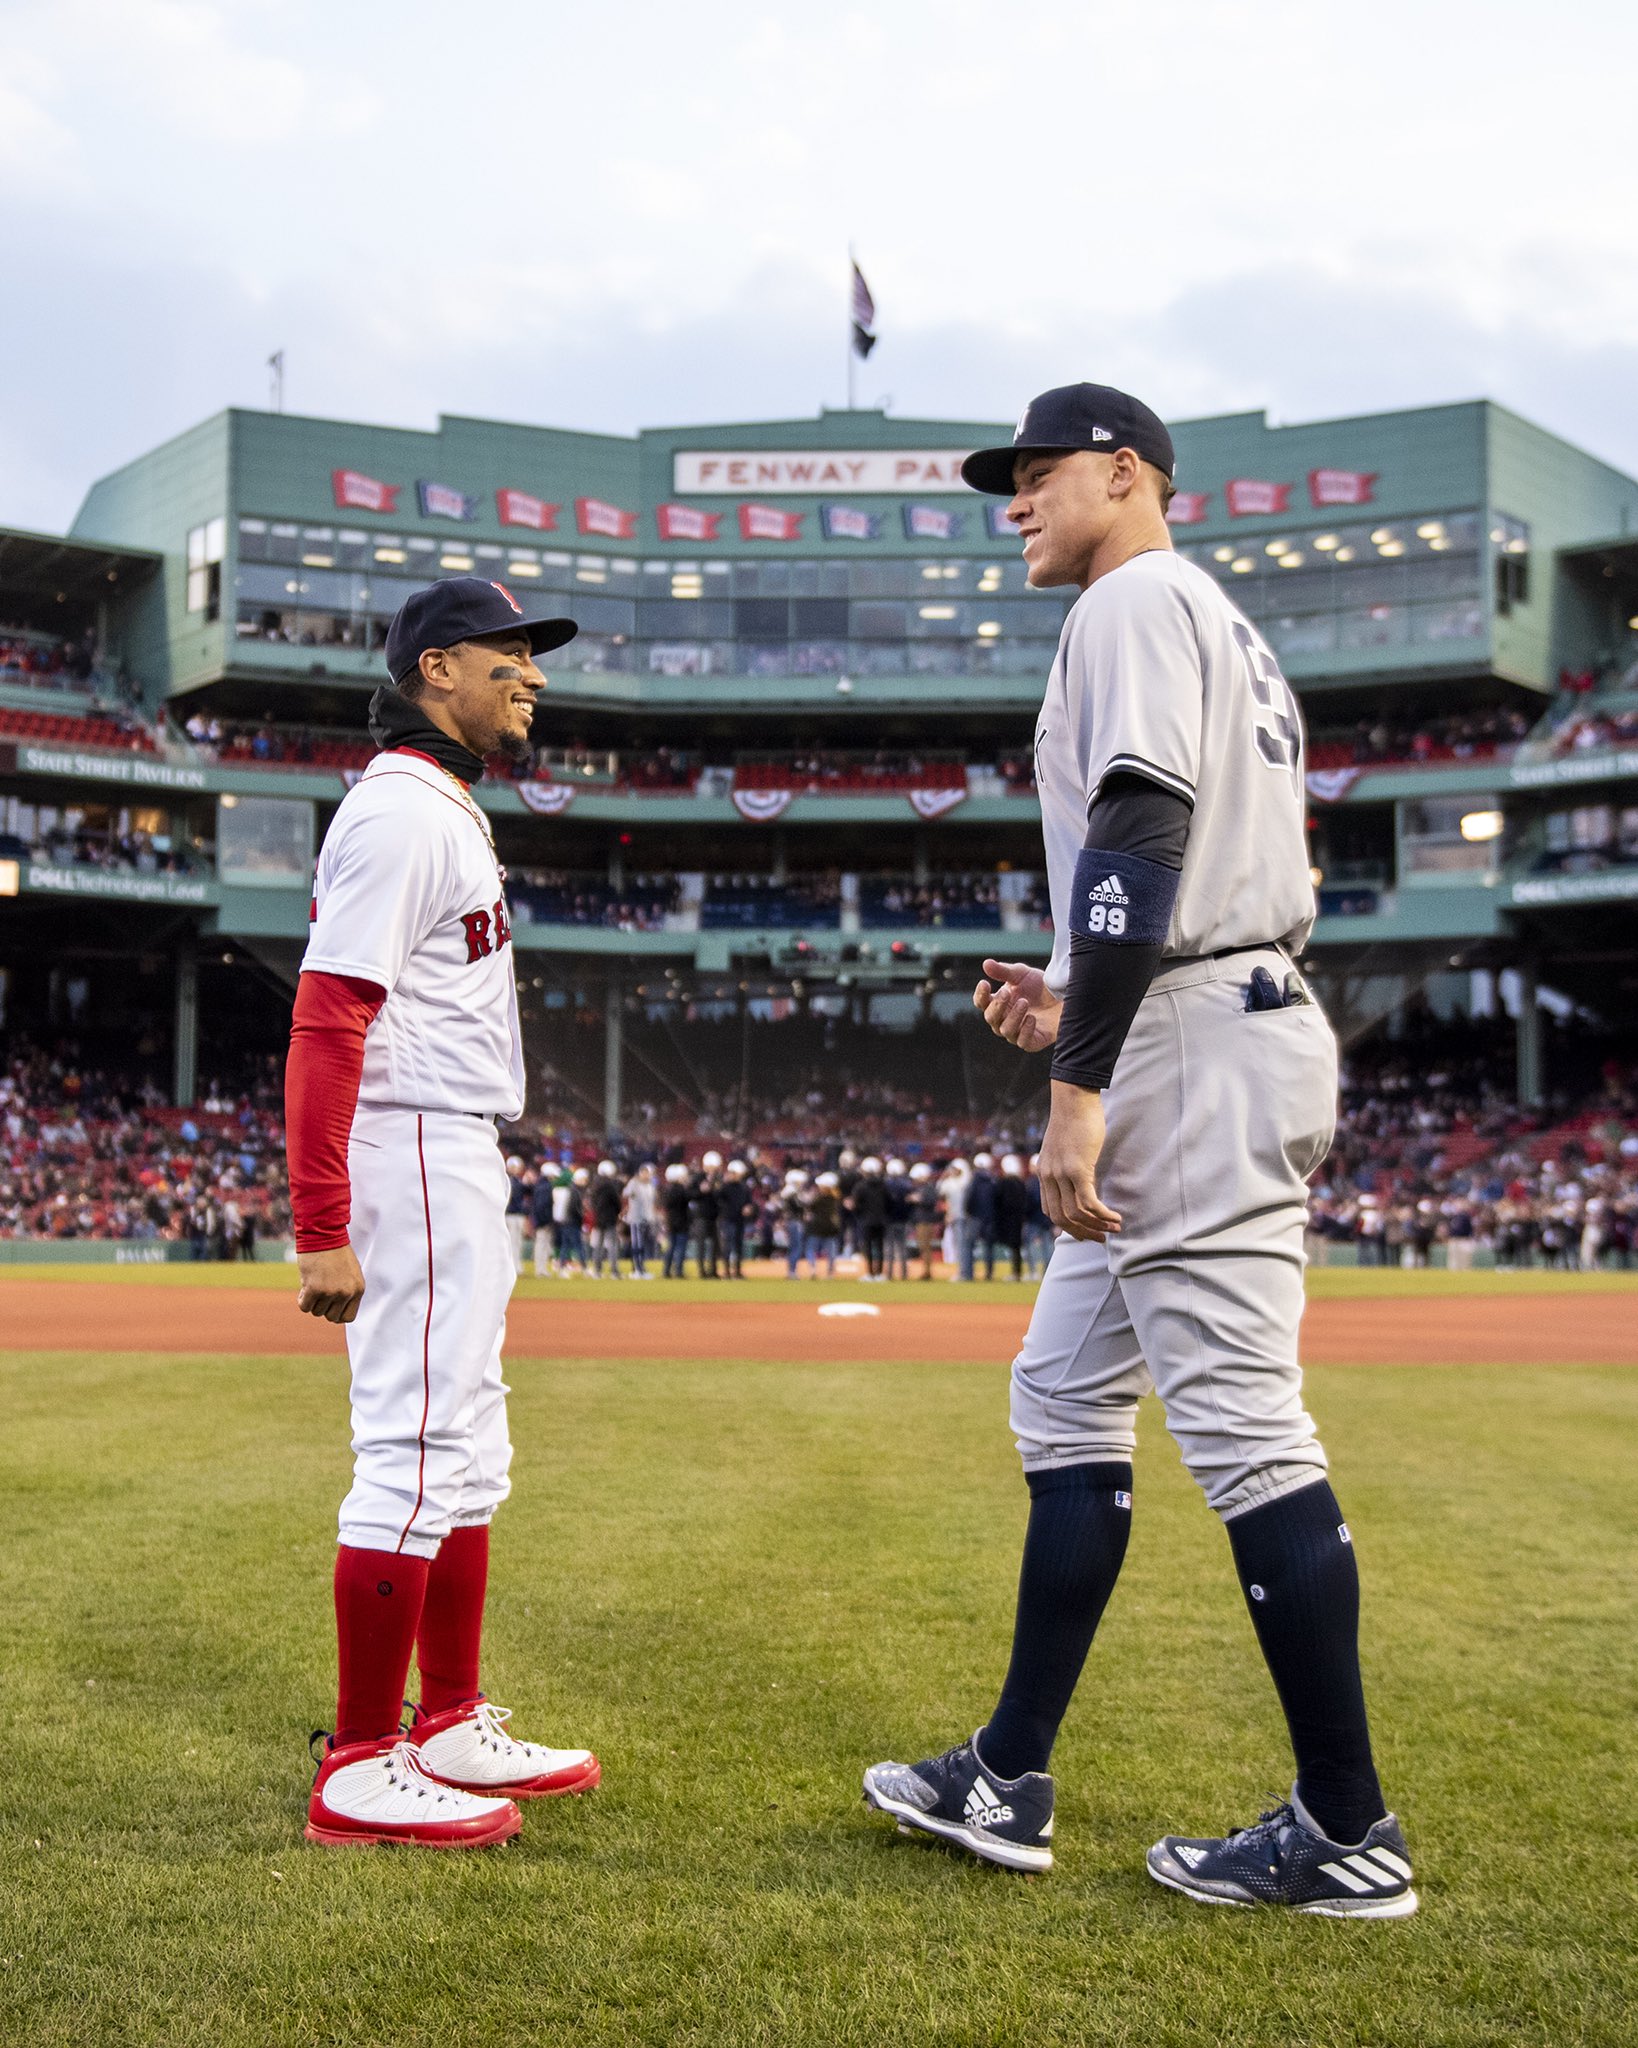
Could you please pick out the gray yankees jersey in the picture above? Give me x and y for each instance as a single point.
(1159, 674)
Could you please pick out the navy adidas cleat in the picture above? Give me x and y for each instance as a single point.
(1284, 1860)
(1001, 1820)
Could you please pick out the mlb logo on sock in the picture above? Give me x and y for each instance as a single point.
(1122, 1498)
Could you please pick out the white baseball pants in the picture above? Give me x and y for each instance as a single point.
(1215, 1118)
(430, 1445)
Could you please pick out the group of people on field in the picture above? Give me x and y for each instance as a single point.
(970, 1217)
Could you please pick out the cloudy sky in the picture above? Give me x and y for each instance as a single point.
(639, 214)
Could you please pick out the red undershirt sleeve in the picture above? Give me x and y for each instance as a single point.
(321, 1076)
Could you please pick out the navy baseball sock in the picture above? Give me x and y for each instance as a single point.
(1080, 1517)
(1297, 1570)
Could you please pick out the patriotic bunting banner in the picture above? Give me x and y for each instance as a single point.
(548, 798)
(1330, 785)
(767, 522)
(1188, 508)
(762, 806)
(1341, 486)
(933, 803)
(355, 492)
(1000, 526)
(1251, 497)
(931, 522)
(443, 501)
(593, 515)
(517, 508)
(847, 522)
(686, 522)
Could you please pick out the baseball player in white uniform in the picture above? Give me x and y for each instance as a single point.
(405, 1053)
(1193, 1091)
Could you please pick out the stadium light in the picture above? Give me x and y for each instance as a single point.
(1345, 554)
(1632, 625)
(1325, 542)
(1222, 554)
(1479, 826)
(1243, 565)
(11, 877)
(1276, 547)
(1431, 529)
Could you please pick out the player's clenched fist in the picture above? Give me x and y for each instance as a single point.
(332, 1284)
(1017, 1005)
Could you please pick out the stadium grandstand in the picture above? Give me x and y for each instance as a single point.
(782, 799)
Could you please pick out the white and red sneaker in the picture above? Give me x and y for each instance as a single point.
(468, 1748)
(371, 1792)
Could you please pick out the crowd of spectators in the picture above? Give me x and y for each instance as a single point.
(35, 658)
(836, 774)
(1432, 1157)
(1587, 732)
(759, 902)
(1432, 1149)
(1379, 742)
(84, 1154)
(958, 902)
(558, 896)
(141, 853)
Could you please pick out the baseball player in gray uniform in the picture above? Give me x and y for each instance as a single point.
(1193, 1090)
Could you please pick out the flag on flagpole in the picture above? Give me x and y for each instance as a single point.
(864, 315)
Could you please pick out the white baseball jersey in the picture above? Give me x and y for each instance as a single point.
(409, 895)
(1159, 674)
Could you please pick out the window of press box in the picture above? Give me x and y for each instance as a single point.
(1433, 846)
(1510, 540)
(206, 546)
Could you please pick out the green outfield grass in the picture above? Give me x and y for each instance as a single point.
(1325, 1283)
(741, 1587)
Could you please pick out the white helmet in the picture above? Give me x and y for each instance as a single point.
(921, 1170)
(581, 1177)
(896, 1166)
(872, 1165)
(738, 1168)
(847, 1157)
(605, 1169)
(983, 1161)
(711, 1161)
(676, 1173)
(828, 1180)
(1012, 1165)
(796, 1178)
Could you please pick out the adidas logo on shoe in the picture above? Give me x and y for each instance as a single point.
(1192, 1857)
(982, 1806)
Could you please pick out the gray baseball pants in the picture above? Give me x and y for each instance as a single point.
(1215, 1118)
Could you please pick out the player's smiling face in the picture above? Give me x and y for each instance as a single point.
(491, 699)
(1064, 510)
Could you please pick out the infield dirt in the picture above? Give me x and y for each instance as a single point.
(60, 1315)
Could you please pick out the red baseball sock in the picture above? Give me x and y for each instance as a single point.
(452, 1619)
(378, 1607)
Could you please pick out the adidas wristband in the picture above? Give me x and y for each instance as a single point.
(1120, 912)
(1121, 898)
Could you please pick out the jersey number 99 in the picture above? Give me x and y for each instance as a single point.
(1105, 919)
(1279, 728)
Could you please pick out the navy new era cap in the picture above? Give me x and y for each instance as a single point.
(464, 608)
(1094, 416)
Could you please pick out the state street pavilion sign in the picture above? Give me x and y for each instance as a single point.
(805, 472)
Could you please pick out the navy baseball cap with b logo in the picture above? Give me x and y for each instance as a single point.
(464, 608)
(1094, 416)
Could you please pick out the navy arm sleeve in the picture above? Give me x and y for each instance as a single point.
(1125, 886)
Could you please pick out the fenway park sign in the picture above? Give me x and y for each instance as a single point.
(803, 472)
